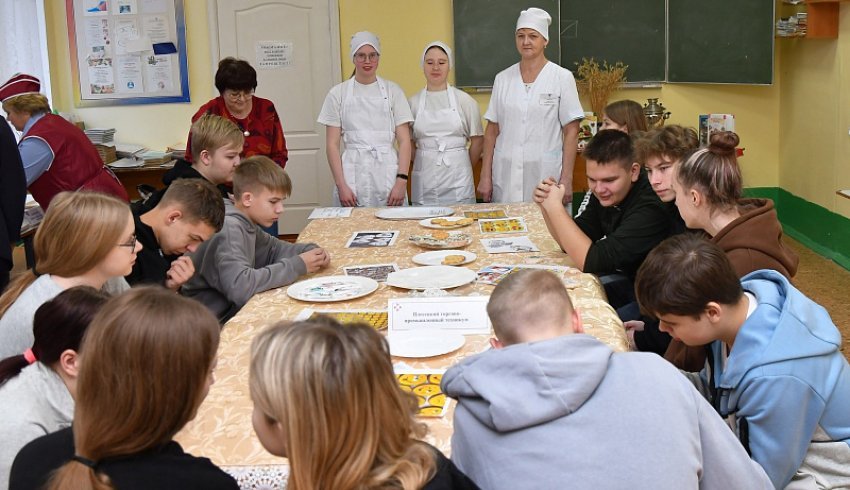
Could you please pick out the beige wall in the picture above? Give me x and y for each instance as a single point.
(815, 117)
(794, 132)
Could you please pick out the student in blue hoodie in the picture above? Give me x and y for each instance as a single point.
(550, 407)
(775, 370)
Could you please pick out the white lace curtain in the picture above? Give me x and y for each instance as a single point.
(23, 41)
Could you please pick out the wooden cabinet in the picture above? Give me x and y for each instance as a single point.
(822, 17)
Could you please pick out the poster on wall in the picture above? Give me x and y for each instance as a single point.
(127, 51)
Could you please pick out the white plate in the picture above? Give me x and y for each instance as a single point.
(452, 223)
(127, 163)
(327, 289)
(436, 257)
(424, 344)
(432, 276)
(413, 212)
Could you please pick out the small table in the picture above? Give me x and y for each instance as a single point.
(222, 430)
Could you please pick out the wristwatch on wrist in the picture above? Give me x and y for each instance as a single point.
(401, 176)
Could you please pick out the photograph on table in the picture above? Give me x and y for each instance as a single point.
(366, 239)
(486, 214)
(502, 225)
(509, 245)
(377, 319)
(426, 386)
(494, 274)
(378, 272)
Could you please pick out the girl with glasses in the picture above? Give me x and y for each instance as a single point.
(84, 240)
(370, 116)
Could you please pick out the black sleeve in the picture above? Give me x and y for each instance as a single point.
(641, 229)
(590, 220)
(13, 194)
(38, 459)
(448, 476)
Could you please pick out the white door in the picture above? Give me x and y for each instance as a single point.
(306, 34)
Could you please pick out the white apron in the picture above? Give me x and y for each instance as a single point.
(442, 173)
(529, 147)
(369, 161)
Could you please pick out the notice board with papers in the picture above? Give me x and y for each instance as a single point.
(127, 51)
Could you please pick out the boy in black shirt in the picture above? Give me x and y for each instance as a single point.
(190, 212)
(622, 222)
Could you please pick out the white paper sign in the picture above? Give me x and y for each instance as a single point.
(319, 213)
(466, 315)
(274, 54)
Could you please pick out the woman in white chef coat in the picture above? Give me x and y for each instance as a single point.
(369, 115)
(445, 119)
(533, 120)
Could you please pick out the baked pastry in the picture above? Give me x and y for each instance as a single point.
(464, 221)
(439, 235)
(453, 259)
(440, 221)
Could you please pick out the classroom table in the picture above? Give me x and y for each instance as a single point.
(222, 430)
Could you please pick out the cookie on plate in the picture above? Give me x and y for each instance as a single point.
(439, 235)
(453, 259)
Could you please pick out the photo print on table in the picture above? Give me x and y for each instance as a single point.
(509, 245)
(378, 272)
(366, 239)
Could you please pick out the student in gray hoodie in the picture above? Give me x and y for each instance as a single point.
(549, 407)
(240, 260)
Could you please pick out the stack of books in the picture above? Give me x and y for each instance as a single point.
(106, 152)
(101, 136)
(793, 26)
(155, 158)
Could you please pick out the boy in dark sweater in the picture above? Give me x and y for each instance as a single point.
(189, 212)
(622, 222)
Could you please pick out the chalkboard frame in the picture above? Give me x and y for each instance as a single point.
(482, 84)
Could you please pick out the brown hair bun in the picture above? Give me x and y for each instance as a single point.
(723, 143)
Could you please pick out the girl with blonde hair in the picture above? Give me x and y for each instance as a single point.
(146, 366)
(325, 397)
(85, 239)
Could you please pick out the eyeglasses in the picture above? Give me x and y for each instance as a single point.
(131, 243)
(238, 94)
(361, 57)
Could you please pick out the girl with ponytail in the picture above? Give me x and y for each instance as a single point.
(37, 386)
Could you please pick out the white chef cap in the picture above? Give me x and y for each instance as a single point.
(441, 45)
(362, 38)
(534, 18)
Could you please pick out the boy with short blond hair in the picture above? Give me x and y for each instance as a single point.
(241, 260)
(216, 145)
(547, 405)
(775, 369)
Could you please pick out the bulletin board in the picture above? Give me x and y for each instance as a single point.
(127, 51)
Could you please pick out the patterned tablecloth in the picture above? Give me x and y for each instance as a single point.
(222, 429)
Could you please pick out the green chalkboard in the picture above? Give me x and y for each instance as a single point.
(631, 31)
(720, 41)
(484, 37)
